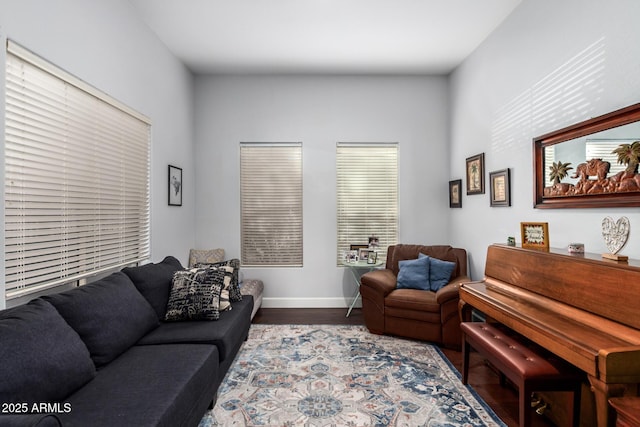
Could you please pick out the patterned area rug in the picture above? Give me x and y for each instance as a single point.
(341, 375)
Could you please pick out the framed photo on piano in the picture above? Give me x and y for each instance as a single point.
(535, 235)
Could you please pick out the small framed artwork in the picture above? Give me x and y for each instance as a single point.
(455, 193)
(535, 235)
(499, 188)
(475, 174)
(372, 258)
(175, 186)
(363, 254)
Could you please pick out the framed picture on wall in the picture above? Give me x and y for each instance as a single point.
(175, 186)
(499, 190)
(455, 193)
(475, 174)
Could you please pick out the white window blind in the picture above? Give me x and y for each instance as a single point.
(367, 191)
(76, 178)
(271, 204)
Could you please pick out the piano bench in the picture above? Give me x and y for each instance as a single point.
(527, 369)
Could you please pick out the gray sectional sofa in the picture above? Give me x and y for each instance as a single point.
(101, 355)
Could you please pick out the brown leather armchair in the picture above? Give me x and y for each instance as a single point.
(412, 313)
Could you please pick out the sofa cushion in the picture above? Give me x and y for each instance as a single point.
(110, 315)
(195, 295)
(43, 358)
(234, 289)
(164, 385)
(439, 273)
(414, 274)
(205, 256)
(227, 333)
(154, 282)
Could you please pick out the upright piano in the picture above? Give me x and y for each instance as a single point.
(581, 307)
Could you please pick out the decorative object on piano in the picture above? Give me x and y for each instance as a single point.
(615, 236)
(606, 171)
(499, 190)
(511, 241)
(576, 248)
(535, 235)
(475, 174)
(455, 193)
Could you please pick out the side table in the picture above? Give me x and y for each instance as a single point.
(357, 269)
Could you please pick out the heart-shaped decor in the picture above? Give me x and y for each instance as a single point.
(615, 233)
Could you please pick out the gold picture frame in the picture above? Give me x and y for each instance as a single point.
(535, 235)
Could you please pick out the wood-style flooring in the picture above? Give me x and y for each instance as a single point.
(503, 400)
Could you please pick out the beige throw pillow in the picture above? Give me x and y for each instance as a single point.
(205, 256)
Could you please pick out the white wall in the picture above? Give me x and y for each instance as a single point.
(105, 44)
(319, 111)
(550, 64)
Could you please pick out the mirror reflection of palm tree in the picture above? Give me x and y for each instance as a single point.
(559, 171)
(629, 155)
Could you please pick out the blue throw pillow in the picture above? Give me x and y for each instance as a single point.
(439, 273)
(414, 274)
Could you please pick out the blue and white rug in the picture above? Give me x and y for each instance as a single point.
(342, 375)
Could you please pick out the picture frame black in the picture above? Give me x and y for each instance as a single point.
(175, 186)
(500, 188)
(475, 174)
(455, 193)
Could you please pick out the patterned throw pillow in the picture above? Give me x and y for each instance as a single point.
(205, 256)
(195, 295)
(234, 288)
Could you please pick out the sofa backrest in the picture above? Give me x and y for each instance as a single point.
(400, 252)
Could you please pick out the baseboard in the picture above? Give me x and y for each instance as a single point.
(307, 303)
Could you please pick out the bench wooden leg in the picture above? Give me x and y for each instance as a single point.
(466, 348)
(524, 405)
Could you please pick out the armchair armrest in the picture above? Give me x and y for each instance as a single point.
(374, 287)
(381, 282)
(451, 290)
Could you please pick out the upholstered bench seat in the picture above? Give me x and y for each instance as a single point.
(529, 370)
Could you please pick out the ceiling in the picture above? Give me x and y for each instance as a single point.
(323, 36)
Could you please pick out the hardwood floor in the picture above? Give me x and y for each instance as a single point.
(503, 400)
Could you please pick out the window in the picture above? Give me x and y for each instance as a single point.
(367, 181)
(76, 178)
(271, 204)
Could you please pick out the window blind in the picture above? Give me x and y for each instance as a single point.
(367, 192)
(76, 178)
(271, 204)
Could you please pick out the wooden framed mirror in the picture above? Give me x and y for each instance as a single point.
(590, 164)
